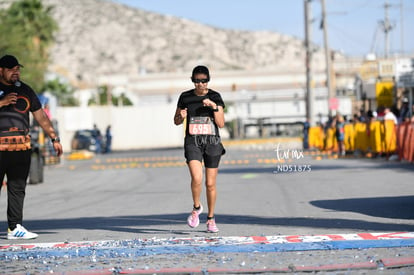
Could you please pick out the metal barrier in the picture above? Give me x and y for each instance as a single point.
(405, 140)
(377, 137)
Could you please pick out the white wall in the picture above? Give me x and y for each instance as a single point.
(150, 124)
(132, 127)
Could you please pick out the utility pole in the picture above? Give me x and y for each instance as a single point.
(386, 26)
(308, 61)
(402, 26)
(327, 56)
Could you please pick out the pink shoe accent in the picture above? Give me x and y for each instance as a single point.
(211, 226)
(193, 220)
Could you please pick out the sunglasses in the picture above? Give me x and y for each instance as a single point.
(204, 80)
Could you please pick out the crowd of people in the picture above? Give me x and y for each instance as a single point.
(398, 115)
(337, 122)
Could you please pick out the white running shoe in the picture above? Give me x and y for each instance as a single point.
(20, 233)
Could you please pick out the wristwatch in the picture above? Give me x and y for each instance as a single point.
(56, 139)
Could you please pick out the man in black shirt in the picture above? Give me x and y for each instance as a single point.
(17, 100)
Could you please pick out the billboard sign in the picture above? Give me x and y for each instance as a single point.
(385, 93)
(404, 73)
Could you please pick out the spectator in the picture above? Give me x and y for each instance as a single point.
(98, 139)
(46, 109)
(306, 126)
(339, 124)
(390, 115)
(108, 139)
(17, 102)
(404, 111)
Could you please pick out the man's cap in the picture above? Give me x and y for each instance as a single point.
(9, 62)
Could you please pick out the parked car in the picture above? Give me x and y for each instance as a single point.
(84, 140)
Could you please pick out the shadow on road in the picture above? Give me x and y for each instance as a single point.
(150, 223)
(385, 207)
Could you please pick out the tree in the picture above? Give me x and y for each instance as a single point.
(62, 91)
(26, 31)
(104, 97)
(123, 100)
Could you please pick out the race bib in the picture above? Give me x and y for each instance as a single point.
(201, 125)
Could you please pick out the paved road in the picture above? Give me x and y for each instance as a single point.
(146, 195)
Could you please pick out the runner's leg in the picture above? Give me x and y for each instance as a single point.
(196, 172)
(211, 178)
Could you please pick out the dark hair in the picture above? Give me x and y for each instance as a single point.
(201, 70)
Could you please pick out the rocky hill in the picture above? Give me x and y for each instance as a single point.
(98, 37)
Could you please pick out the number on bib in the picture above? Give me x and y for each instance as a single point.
(201, 126)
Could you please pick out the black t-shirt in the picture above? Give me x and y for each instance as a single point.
(18, 115)
(195, 108)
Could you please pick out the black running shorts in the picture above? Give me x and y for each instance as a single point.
(202, 148)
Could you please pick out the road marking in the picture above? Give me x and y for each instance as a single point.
(308, 242)
(115, 249)
(249, 176)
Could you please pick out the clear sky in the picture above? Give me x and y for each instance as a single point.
(353, 25)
